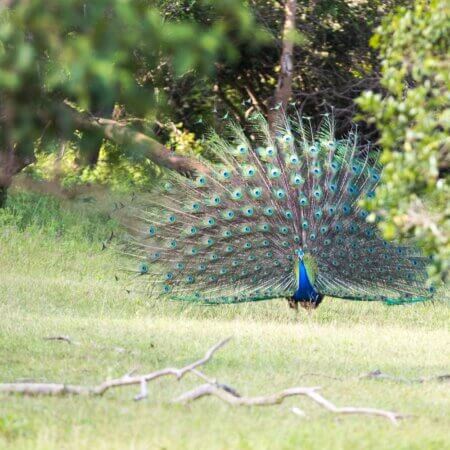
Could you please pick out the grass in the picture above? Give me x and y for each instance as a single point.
(55, 279)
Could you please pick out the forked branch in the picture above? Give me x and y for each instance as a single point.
(211, 388)
(277, 398)
(126, 380)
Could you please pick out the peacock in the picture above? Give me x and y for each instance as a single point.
(277, 214)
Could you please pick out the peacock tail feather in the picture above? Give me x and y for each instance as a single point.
(268, 205)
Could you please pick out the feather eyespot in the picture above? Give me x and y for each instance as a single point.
(303, 201)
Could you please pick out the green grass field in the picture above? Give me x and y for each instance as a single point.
(55, 280)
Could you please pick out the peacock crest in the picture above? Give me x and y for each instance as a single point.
(278, 214)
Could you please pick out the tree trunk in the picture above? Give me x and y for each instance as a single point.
(283, 91)
(3, 196)
(12, 161)
(90, 145)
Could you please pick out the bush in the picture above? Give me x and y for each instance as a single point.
(413, 118)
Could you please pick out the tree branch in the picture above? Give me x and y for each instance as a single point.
(127, 380)
(123, 135)
(211, 388)
(277, 398)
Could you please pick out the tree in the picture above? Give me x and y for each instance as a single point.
(63, 62)
(332, 63)
(412, 114)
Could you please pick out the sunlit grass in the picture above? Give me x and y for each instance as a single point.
(64, 284)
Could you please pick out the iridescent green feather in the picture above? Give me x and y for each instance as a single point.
(232, 234)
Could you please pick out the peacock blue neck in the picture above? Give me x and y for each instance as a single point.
(305, 290)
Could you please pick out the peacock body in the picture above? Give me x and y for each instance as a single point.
(277, 215)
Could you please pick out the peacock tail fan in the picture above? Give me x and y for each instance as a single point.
(273, 207)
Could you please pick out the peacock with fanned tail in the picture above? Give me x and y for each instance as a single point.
(277, 215)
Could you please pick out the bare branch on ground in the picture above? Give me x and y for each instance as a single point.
(277, 398)
(379, 375)
(211, 387)
(126, 380)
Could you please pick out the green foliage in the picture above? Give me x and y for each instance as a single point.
(98, 54)
(84, 221)
(413, 117)
(331, 67)
(114, 169)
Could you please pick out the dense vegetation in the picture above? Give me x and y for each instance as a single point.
(90, 90)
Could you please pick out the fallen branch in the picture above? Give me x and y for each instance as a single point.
(277, 398)
(59, 338)
(211, 388)
(126, 380)
(378, 375)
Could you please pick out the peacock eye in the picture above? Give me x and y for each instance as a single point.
(242, 149)
(201, 181)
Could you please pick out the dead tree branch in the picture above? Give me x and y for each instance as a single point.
(277, 398)
(379, 375)
(211, 388)
(126, 380)
(59, 338)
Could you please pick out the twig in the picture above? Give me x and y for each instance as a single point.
(144, 391)
(59, 338)
(322, 375)
(378, 375)
(126, 380)
(390, 415)
(277, 398)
